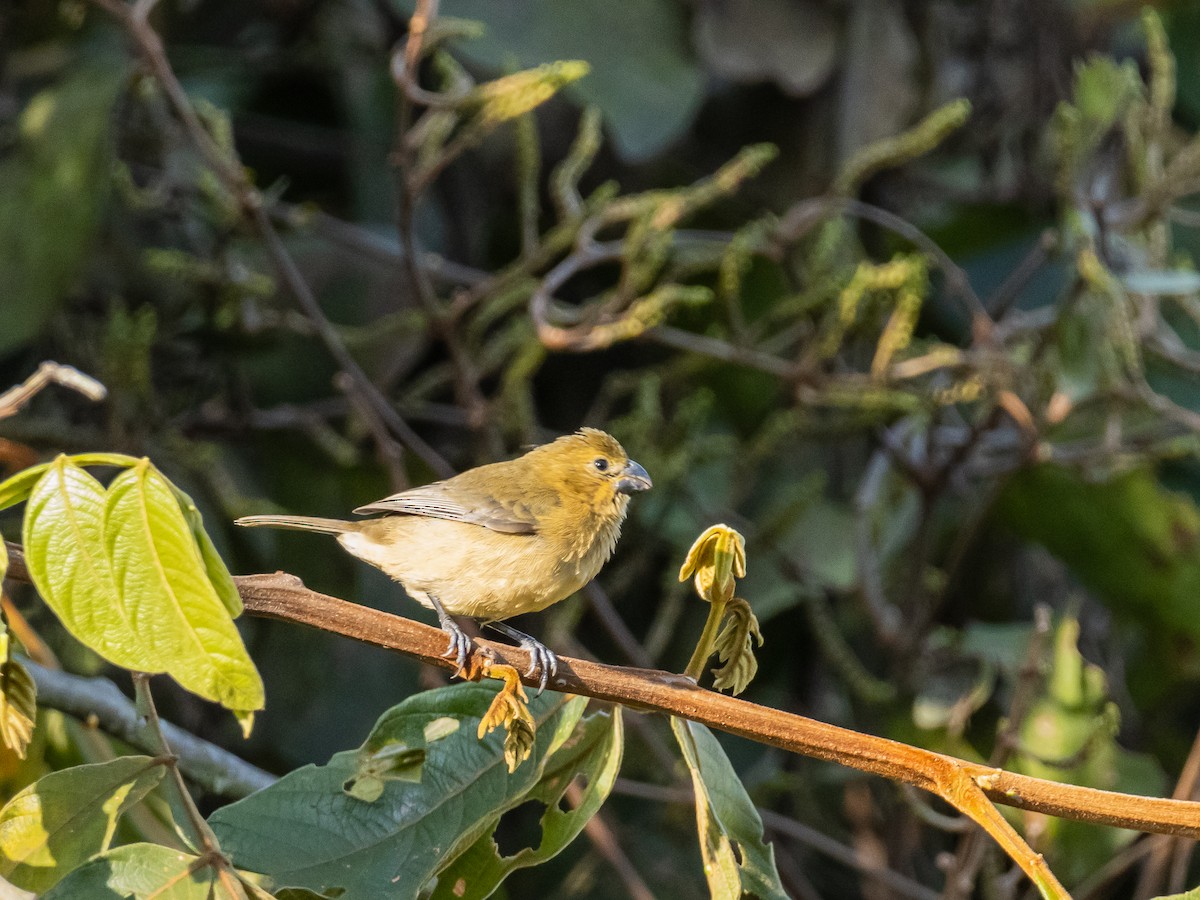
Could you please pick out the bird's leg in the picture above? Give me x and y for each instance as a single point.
(541, 657)
(460, 644)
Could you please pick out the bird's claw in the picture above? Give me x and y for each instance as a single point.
(459, 649)
(541, 660)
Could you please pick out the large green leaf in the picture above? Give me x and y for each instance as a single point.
(56, 183)
(146, 872)
(594, 752)
(66, 817)
(643, 77)
(736, 859)
(310, 830)
(123, 571)
(67, 559)
(178, 614)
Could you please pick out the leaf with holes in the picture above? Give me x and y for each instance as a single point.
(392, 844)
(57, 823)
(736, 859)
(144, 871)
(593, 752)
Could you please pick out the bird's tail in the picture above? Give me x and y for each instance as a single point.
(298, 523)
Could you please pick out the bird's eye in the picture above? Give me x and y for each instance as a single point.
(601, 464)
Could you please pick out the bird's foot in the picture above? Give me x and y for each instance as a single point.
(460, 644)
(459, 649)
(543, 664)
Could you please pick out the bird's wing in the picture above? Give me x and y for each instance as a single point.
(461, 503)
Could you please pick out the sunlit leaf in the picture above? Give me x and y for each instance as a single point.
(736, 859)
(147, 872)
(17, 488)
(66, 817)
(214, 566)
(394, 844)
(122, 570)
(714, 560)
(593, 752)
(67, 557)
(179, 616)
(18, 706)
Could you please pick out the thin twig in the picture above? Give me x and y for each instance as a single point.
(99, 702)
(604, 839)
(12, 400)
(234, 178)
(1163, 848)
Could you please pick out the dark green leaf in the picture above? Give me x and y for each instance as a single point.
(56, 824)
(306, 831)
(146, 872)
(594, 752)
(736, 860)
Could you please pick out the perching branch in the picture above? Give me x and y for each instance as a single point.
(283, 596)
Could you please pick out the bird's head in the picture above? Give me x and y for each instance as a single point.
(593, 467)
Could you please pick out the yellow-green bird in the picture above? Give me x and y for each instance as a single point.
(498, 540)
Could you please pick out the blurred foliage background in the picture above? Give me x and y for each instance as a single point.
(935, 357)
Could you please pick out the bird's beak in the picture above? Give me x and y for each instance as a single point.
(633, 479)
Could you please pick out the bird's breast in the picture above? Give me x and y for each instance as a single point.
(472, 570)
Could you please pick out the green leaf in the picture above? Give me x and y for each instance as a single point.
(643, 77)
(67, 559)
(594, 752)
(123, 572)
(146, 872)
(1193, 894)
(56, 184)
(734, 647)
(214, 566)
(66, 817)
(17, 488)
(305, 831)
(736, 860)
(181, 619)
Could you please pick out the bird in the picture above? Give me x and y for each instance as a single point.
(498, 540)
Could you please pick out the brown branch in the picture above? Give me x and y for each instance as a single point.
(282, 596)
